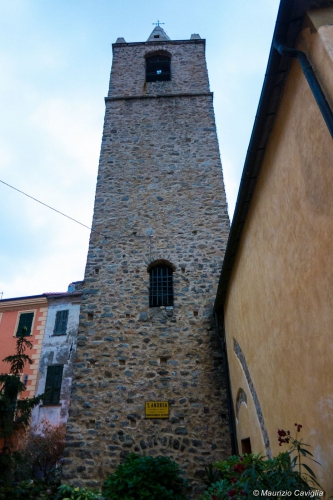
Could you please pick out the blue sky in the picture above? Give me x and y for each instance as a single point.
(55, 58)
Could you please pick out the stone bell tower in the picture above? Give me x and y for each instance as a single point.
(148, 376)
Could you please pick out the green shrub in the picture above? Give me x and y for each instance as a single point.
(240, 476)
(39, 490)
(66, 492)
(28, 490)
(145, 478)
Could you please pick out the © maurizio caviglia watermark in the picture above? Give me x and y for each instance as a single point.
(288, 493)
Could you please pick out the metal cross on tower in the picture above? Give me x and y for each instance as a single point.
(158, 23)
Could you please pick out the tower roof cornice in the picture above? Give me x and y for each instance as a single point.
(160, 43)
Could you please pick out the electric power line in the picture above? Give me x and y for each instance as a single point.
(48, 206)
(68, 217)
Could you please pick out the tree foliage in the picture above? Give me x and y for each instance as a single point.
(42, 448)
(15, 413)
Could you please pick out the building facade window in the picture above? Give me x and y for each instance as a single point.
(25, 324)
(158, 68)
(60, 326)
(53, 384)
(161, 286)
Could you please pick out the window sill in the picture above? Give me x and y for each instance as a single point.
(59, 334)
(167, 308)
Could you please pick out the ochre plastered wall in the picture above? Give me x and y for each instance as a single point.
(279, 306)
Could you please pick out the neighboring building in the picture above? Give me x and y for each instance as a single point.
(57, 355)
(23, 316)
(160, 226)
(50, 323)
(275, 297)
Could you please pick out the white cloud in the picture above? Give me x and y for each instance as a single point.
(69, 127)
(6, 156)
(53, 59)
(52, 273)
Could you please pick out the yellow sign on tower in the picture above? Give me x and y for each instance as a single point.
(157, 409)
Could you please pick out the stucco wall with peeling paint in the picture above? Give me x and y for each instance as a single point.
(58, 350)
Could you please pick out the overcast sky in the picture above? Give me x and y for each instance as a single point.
(55, 59)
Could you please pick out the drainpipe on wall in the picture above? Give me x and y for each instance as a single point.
(312, 81)
(219, 323)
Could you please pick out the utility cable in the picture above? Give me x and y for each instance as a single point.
(48, 206)
(68, 217)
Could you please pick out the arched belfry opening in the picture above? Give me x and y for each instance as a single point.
(158, 67)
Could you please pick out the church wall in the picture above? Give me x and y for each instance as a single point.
(278, 312)
(159, 195)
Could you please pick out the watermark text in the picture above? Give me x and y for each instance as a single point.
(288, 493)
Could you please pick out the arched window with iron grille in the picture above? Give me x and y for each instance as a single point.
(161, 286)
(158, 68)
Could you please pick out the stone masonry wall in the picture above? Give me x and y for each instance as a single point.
(188, 68)
(159, 195)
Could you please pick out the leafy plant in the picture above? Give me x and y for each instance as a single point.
(66, 492)
(241, 475)
(28, 490)
(145, 478)
(39, 490)
(210, 476)
(298, 447)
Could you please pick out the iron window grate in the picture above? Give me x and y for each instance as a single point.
(161, 286)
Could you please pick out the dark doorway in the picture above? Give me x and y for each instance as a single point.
(246, 446)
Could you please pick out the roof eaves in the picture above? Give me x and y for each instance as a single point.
(55, 295)
(47, 295)
(288, 23)
(24, 298)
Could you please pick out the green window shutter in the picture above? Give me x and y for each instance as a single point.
(25, 324)
(53, 384)
(60, 326)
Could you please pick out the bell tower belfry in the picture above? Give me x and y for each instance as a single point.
(146, 339)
